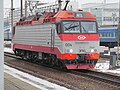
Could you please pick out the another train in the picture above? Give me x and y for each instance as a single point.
(109, 36)
(65, 38)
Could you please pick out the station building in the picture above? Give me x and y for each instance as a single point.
(106, 13)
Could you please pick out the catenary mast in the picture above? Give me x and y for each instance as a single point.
(1, 48)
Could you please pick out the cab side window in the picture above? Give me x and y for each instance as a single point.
(58, 28)
(13, 33)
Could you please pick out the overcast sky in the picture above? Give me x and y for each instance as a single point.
(17, 2)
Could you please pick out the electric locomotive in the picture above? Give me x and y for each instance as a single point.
(68, 39)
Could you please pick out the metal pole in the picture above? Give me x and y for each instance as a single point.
(59, 4)
(1, 47)
(25, 8)
(104, 1)
(103, 7)
(12, 16)
(118, 36)
(113, 18)
(21, 8)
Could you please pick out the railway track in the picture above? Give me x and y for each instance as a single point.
(96, 76)
(99, 76)
(9, 54)
(34, 72)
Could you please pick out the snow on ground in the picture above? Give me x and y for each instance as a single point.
(8, 50)
(7, 42)
(37, 82)
(102, 66)
(117, 71)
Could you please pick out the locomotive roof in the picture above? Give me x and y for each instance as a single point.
(74, 14)
(63, 14)
(51, 17)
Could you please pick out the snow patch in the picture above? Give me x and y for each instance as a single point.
(7, 42)
(103, 66)
(117, 71)
(8, 50)
(37, 82)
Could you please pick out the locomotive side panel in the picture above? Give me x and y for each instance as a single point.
(37, 35)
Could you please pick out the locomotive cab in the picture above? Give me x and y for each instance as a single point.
(79, 41)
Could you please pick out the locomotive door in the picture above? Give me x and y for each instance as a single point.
(52, 37)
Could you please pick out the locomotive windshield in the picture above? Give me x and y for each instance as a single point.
(79, 27)
(71, 26)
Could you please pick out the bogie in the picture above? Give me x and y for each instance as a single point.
(48, 59)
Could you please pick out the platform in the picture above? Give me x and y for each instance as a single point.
(12, 83)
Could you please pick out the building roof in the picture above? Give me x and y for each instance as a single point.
(100, 5)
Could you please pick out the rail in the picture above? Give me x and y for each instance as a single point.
(94, 75)
(99, 76)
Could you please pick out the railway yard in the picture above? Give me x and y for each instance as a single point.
(74, 79)
(54, 47)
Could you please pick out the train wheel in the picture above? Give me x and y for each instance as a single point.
(61, 64)
(53, 59)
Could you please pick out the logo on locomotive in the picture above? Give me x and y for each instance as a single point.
(81, 37)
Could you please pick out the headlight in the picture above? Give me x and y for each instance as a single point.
(92, 50)
(71, 50)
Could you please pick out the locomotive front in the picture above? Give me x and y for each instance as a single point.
(80, 40)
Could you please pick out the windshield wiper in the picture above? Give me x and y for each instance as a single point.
(72, 27)
(84, 29)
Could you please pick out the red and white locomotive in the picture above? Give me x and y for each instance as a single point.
(66, 38)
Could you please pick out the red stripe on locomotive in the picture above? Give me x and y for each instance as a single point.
(75, 37)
